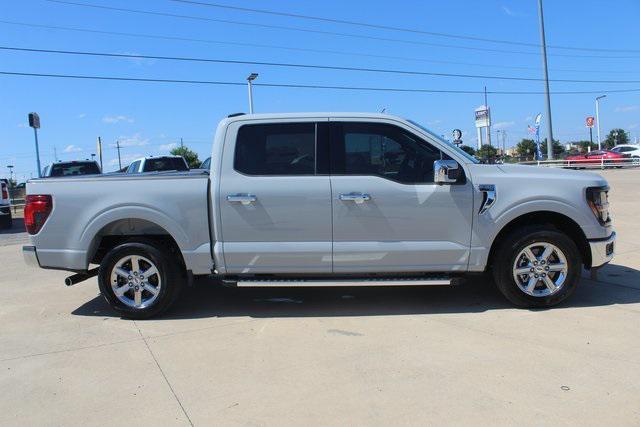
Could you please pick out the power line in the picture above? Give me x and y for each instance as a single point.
(301, 86)
(307, 66)
(299, 49)
(393, 28)
(308, 30)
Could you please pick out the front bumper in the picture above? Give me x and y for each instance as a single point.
(602, 250)
(30, 256)
(5, 210)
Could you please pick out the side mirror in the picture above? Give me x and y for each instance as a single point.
(446, 171)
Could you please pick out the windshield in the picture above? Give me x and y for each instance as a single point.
(454, 147)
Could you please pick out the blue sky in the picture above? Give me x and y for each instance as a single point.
(150, 118)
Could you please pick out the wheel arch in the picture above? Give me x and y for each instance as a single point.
(124, 230)
(559, 221)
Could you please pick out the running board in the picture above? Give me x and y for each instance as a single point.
(285, 283)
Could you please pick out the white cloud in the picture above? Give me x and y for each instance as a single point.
(434, 122)
(626, 108)
(633, 125)
(529, 119)
(135, 140)
(168, 147)
(117, 119)
(82, 115)
(72, 149)
(508, 11)
(22, 125)
(503, 125)
(139, 61)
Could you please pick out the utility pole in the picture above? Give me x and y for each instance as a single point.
(119, 160)
(251, 78)
(181, 143)
(546, 83)
(55, 153)
(598, 98)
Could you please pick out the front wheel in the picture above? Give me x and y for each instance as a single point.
(537, 267)
(139, 280)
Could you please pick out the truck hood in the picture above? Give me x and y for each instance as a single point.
(538, 174)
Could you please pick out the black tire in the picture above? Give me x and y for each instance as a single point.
(6, 221)
(169, 271)
(511, 247)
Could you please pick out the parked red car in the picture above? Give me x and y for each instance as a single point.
(596, 157)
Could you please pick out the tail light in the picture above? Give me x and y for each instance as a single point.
(5, 193)
(36, 211)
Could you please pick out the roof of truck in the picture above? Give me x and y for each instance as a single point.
(260, 116)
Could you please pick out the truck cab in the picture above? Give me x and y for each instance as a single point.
(326, 199)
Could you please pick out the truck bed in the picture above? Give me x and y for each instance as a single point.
(85, 208)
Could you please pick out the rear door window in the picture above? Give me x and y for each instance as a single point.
(276, 149)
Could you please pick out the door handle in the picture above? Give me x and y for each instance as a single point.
(245, 199)
(355, 197)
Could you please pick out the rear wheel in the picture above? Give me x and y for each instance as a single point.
(139, 280)
(537, 267)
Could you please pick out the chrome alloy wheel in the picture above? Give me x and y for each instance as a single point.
(540, 269)
(136, 281)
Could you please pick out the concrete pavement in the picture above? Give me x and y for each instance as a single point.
(374, 356)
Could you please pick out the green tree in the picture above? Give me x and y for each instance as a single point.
(190, 156)
(526, 148)
(468, 150)
(616, 137)
(487, 152)
(558, 148)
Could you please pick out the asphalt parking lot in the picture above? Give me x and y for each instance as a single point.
(377, 356)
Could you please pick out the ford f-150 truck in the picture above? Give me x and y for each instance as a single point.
(323, 199)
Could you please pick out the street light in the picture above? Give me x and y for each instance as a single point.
(543, 43)
(251, 78)
(10, 167)
(598, 118)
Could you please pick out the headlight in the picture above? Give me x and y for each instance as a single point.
(598, 200)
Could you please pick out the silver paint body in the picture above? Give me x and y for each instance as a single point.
(301, 224)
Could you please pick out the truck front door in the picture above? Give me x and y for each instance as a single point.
(388, 215)
(275, 203)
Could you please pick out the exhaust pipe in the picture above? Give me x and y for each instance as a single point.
(81, 277)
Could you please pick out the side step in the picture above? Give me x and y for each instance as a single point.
(392, 281)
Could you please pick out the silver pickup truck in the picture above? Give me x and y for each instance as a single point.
(323, 199)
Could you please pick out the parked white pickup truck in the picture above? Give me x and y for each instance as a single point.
(323, 199)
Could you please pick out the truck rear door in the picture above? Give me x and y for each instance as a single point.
(275, 197)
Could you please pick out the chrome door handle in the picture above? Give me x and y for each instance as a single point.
(245, 199)
(355, 197)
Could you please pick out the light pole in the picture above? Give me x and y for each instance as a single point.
(546, 83)
(34, 122)
(251, 78)
(10, 167)
(598, 118)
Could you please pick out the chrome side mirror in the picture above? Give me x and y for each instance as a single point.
(445, 171)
